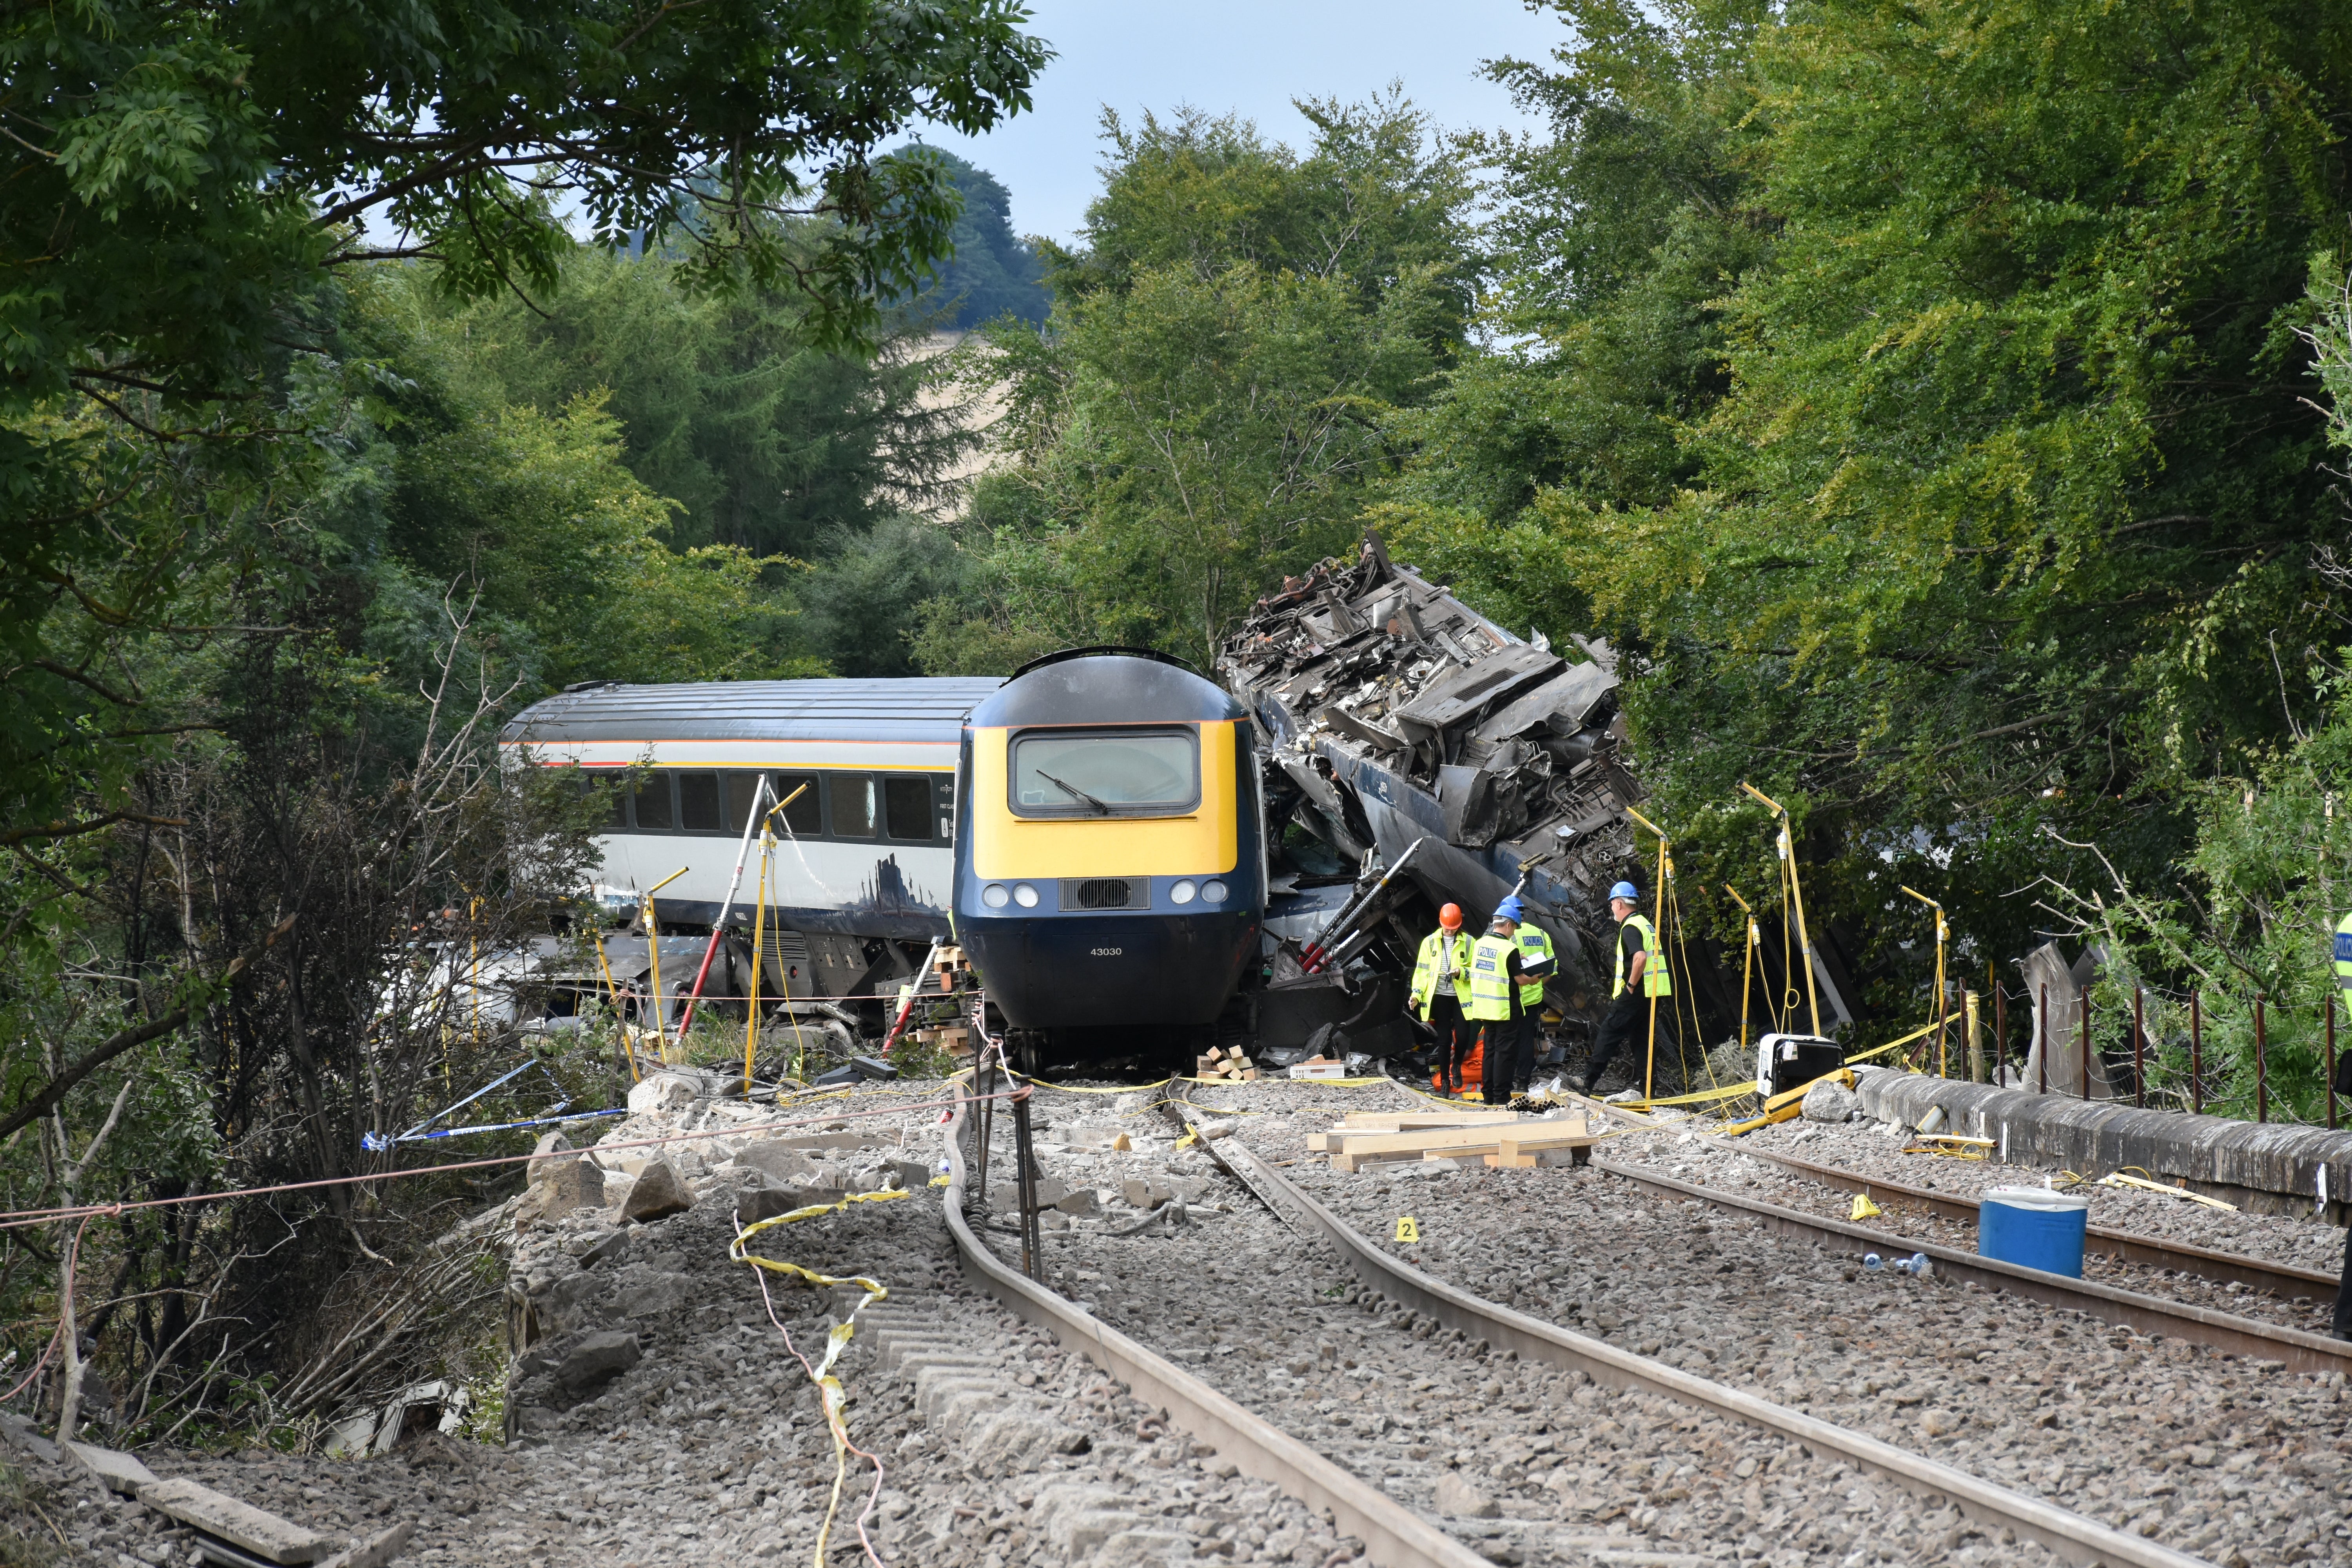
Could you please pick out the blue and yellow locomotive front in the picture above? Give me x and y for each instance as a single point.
(1110, 856)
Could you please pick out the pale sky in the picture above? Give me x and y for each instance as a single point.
(1250, 55)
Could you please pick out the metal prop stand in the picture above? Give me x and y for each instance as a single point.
(1033, 1246)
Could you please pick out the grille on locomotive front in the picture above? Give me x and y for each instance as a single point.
(1106, 892)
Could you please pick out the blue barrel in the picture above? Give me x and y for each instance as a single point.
(2034, 1228)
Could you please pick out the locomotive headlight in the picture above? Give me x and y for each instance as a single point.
(995, 896)
(1182, 892)
(1024, 895)
(1212, 892)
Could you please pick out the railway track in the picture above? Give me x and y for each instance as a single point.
(1689, 1455)
(2283, 1281)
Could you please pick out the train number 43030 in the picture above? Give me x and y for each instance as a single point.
(1109, 951)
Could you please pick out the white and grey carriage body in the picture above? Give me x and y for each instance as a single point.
(865, 847)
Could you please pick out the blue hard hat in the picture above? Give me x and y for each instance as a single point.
(1625, 891)
(1510, 910)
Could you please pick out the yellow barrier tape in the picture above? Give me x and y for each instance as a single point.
(829, 1387)
(1700, 1098)
(1081, 1088)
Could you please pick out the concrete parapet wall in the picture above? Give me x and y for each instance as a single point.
(2265, 1167)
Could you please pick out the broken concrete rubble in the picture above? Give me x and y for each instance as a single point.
(664, 1091)
(657, 1193)
(241, 1524)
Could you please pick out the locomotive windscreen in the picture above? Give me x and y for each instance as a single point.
(1106, 773)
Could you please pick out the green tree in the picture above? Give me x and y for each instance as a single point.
(2002, 486)
(1614, 235)
(725, 403)
(184, 182)
(992, 272)
(1206, 409)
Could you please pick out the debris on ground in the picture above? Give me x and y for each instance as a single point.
(1225, 1065)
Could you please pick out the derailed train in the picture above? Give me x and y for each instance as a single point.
(1134, 857)
(1091, 831)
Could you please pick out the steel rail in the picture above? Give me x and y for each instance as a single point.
(2281, 1280)
(2300, 1351)
(2071, 1536)
(1393, 1535)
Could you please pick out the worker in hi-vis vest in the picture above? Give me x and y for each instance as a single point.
(1641, 975)
(1495, 1002)
(1441, 993)
(1536, 961)
(2343, 1321)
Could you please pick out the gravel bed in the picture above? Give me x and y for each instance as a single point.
(1695, 1160)
(712, 1448)
(1526, 1463)
(2152, 1435)
(1871, 1150)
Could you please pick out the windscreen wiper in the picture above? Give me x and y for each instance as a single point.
(1074, 793)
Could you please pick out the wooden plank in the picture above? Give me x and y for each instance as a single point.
(1418, 1143)
(1406, 1121)
(239, 1523)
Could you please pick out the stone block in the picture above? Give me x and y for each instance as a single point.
(597, 1357)
(663, 1091)
(548, 1144)
(1081, 1201)
(566, 1184)
(657, 1193)
(118, 1472)
(1145, 1195)
(1457, 1498)
(1829, 1100)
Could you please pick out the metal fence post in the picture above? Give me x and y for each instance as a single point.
(2196, 1052)
(2139, 1049)
(1025, 1181)
(2085, 1003)
(2000, 1022)
(2262, 1080)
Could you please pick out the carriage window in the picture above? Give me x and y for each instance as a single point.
(652, 803)
(853, 804)
(907, 806)
(1105, 773)
(804, 812)
(943, 791)
(698, 803)
(742, 794)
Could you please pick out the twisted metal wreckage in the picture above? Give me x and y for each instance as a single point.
(1410, 733)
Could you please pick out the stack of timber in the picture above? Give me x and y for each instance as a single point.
(1499, 1138)
(1226, 1065)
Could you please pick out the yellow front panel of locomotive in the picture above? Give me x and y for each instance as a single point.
(1203, 841)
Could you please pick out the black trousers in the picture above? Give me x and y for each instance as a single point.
(1501, 1046)
(1456, 1033)
(1626, 1027)
(1523, 1063)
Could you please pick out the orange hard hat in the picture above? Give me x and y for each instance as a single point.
(1450, 917)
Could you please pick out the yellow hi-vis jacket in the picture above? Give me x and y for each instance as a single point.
(1535, 952)
(1490, 977)
(1424, 970)
(1656, 981)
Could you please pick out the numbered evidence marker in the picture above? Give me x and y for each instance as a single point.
(1408, 1228)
